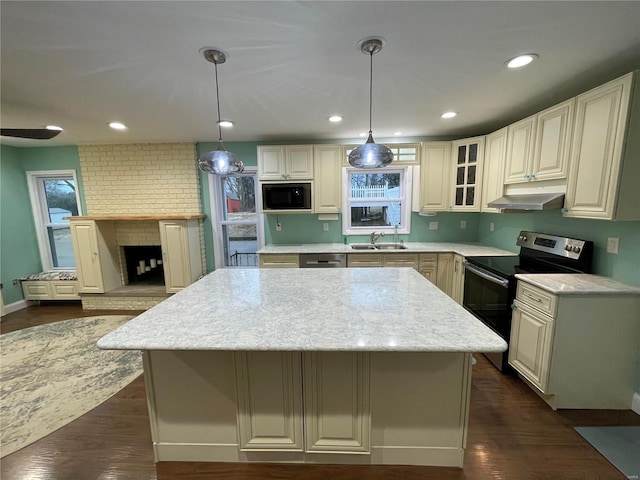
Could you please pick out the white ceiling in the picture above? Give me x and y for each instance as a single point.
(81, 64)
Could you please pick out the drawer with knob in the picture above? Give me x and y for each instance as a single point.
(537, 298)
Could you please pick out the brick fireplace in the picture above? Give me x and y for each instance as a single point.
(127, 183)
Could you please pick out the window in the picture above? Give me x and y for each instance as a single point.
(377, 200)
(236, 222)
(54, 195)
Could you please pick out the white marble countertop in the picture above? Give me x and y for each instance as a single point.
(577, 283)
(466, 249)
(333, 309)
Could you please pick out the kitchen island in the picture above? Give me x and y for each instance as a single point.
(369, 366)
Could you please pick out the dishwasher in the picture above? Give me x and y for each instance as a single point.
(323, 260)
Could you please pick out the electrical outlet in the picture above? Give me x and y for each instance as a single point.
(15, 282)
(613, 243)
(278, 227)
(492, 227)
(433, 225)
(463, 224)
(325, 227)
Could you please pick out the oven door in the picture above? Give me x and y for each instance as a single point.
(489, 297)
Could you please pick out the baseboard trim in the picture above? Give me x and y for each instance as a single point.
(15, 306)
(635, 403)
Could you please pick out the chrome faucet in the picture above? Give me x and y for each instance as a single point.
(375, 236)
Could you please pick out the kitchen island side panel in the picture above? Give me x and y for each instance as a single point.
(419, 409)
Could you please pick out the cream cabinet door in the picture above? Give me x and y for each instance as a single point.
(493, 175)
(530, 344)
(519, 156)
(554, 127)
(457, 288)
(467, 158)
(269, 401)
(271, 162)
(336, 402)
(84, 235)
(597, 149)
(180, 244)
(444, 277)
(435, 174)
(428, 266)
(327, 166)
(299, 162)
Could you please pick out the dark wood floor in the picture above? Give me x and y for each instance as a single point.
(513, 434)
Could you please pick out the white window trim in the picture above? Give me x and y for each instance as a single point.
(217, 214)
(407, 182)
(38, 210)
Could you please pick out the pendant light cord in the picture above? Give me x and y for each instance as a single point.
(370, 88)
(218, 102)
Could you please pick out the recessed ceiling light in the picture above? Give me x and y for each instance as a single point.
(363, 134)
(118, 126)
(335, 118)
(449, 114)
(225, 123)
(521, 60)
(54, 127)
(397, 133)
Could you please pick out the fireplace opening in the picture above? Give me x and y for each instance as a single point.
(144, 265)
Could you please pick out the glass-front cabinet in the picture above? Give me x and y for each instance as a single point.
(467, 174)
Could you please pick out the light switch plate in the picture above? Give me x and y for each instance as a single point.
(463, 224)
(325, 227)
(278, 227)
(492, 227)
(433, 225)
(613, 243)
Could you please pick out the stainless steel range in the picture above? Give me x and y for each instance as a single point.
(490, 283)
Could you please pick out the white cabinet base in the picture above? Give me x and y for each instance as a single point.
(418, 406)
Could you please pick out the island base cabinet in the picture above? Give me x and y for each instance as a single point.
(311, 407)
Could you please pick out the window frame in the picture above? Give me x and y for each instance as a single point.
(40, 215)
(218, 217)
(406, 195)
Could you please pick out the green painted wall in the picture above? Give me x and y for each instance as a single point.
(625, 266)
(306, 228)
(19, 254)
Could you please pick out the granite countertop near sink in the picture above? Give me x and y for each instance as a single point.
(299, 309)
(465, 249)
(577, 283)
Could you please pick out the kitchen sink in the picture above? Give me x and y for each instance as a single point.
(390, 246)
(366, 246)
(380, 246)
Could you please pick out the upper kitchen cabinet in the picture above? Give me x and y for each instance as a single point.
(327, 165)
(494, 155)
(604, 167)
(435, 171)
(467, 155)
(538, 146)
(285, 162)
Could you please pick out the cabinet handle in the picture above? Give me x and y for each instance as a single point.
(532, 297)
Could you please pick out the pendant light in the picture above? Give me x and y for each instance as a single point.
(371, 154)
(219, 161)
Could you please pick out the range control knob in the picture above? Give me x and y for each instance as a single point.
(576, 248)
(568, 248)
(522, 238)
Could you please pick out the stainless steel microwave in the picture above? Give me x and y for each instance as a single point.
(279, 196)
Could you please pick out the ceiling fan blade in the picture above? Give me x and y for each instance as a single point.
(32, 133)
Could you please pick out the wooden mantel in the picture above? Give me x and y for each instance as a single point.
(169, 216)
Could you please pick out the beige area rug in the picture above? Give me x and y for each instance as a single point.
(54, 373)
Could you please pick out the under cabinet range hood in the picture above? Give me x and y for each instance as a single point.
(529, 201)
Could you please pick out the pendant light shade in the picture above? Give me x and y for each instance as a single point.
(370, 154)
(219, 161)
